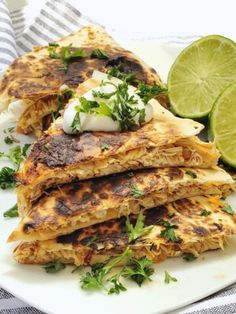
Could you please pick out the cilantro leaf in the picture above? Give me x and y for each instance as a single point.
(14, 155)
(136, 192)
(65, 53)
(147, 92)
(77, 268)
(205, 212)
(98, 278)
(104, 147)
(189, 257)
(100, 54)
(169, 278)
(11, 212)
(98, 94)
(168, 232)
(191, 174)
(139, 270)
(76, 123)
(7, 178)
(8, 140)
(25, 149)
(138, 230)
(54, 267)
(119, 72)
(117, 288)
(228, 209)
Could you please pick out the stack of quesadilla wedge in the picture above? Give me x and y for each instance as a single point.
(75, 197)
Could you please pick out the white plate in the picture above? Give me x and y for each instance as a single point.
(60, 293)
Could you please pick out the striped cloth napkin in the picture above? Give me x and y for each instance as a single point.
(56, 19)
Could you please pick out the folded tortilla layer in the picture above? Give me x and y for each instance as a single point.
(77, 205)
(35, 78)
(195, 233)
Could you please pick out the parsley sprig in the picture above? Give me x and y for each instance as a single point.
(108, 277)
(16, 155)
(138, 230)
(139, 270)
(65, 53)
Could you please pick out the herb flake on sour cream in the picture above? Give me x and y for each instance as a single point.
(110, 107)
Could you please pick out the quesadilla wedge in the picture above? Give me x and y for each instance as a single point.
(58, 158)
(199, 224)
(77, 205)
(32, 83)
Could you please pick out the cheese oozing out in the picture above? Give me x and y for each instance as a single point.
(100, 122)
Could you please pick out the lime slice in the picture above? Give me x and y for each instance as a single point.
(223, 124)
(200, 73)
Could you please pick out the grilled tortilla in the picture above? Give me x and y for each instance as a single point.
(35, 78)
(78, 205)
(195, 234)
(58, 158)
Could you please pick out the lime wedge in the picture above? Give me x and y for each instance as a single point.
(200, 73)
(223, 124)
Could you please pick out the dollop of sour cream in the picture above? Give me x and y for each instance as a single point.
(16, 108)
(99, 122)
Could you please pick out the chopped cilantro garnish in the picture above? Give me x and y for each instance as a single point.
(100, 54)
(98, 94)
(189, 257)
(7, 178)
(191, 174)
(100, 276)
(61, 100)
(12, 212)
(168, 232)
(205, 212)
(54, 267)
(139, 270)
(104, 147)
(76, 123)
(16, 154)
(9, 130)
(121, 108)
(147, 92)
(138, 230)
(91, 240)
(119, 72)
(136, 192)
(25, 149)
(8, 140)
(228, 209)
(65, 54)
(169, 278)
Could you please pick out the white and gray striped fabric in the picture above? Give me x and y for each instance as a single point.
(58, 18)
